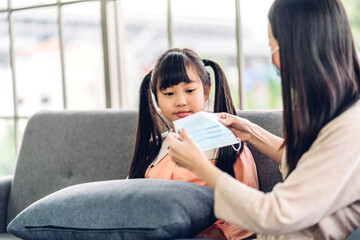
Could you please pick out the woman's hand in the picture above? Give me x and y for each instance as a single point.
(264, 141)
(241, 127)
(184, 151)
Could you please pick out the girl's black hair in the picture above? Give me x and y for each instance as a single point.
(319, 68)
(170, 69)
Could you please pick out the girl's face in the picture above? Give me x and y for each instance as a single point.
(274, 48)
(183, 99)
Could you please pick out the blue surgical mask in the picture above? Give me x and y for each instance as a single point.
(277, 71)
(206, 130)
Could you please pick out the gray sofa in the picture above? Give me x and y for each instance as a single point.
(63, 148)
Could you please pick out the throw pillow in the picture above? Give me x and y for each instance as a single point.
(119, 209)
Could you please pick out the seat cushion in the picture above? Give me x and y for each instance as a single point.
(119, 209)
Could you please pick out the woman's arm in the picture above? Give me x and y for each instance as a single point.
(328, 171)
(264, 141)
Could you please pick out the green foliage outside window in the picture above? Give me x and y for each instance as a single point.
(7, 153)
(353, 11)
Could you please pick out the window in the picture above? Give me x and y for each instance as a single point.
(262, 85)
(209, 28)
(145, 38)
(25, 3)
(51, 59)
(93, 54)
(353, 11)
(36, 60)
(83, 56)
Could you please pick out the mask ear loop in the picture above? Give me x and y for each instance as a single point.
(237, 149)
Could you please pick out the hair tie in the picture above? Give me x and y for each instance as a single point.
(206, 62)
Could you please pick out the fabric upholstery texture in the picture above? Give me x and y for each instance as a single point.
(119, 209)
(355, 235)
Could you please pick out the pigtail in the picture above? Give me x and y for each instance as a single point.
(148, 135)
(223, 103)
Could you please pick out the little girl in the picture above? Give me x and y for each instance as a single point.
(180, 85)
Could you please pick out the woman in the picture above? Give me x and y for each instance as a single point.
(312, 47)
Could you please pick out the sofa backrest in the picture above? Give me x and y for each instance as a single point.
(268, 171)
(63, 148)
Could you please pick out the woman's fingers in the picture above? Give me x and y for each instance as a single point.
(183, 151)
(222, 115)
(228, 121)
(223, 121)
(185, 136)
(173, 139)
(176, 143)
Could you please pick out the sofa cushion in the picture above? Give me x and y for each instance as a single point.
(118, 209)
(64, 148)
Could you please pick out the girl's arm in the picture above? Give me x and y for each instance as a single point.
(264, 141)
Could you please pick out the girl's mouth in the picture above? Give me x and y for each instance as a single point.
(182, 114)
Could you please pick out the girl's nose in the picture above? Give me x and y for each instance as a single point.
(180, 101)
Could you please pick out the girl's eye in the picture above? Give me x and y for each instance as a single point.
(168, 93)
(190, 90)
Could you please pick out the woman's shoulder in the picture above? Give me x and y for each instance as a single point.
(344, 127)
(349, 119)
(353, 112)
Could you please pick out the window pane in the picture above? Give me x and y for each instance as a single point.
(27, 3)
(145, 39)
(208, 27)
(6, 90)
(37, 60)
(262, 85)
(353, 12)
(7, 147)
(83, 56)
(3, 4)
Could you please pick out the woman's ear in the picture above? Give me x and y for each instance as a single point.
(207, 92)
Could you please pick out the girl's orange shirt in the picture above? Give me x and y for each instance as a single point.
(244, 169)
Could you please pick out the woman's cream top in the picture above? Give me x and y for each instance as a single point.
(320, 199)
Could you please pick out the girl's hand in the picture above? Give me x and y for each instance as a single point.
(184, 151)
(241, 127)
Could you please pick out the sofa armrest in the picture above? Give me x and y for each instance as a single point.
(5, 184)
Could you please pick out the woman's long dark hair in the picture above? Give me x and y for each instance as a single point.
(319, 68)
(170, 70)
